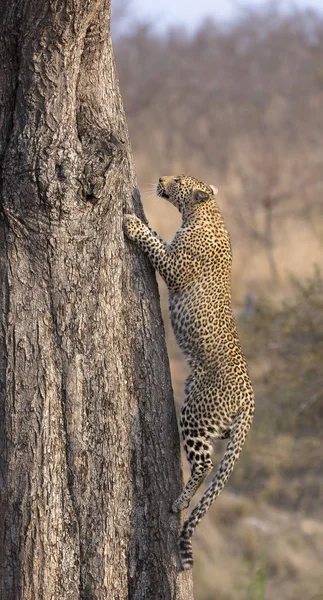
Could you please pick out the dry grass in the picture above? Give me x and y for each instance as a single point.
(249, 536)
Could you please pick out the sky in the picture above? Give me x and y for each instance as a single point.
(190, 13)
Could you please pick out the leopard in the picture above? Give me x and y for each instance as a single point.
(218, 393)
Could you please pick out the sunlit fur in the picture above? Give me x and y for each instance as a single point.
(177, 189)
(219, 399)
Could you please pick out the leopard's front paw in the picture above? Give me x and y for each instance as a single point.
(132, 226)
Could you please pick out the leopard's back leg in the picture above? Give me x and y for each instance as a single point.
(198, 449)
(239, 431)
(197, 434)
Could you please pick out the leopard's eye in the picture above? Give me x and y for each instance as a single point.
(177, 180)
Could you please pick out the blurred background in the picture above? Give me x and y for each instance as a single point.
(233, 94)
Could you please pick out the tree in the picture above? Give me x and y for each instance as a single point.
(89, 449)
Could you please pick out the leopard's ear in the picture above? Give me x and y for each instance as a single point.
(214, 189)
(200, 195)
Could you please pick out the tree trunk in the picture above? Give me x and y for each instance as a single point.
(89, 451)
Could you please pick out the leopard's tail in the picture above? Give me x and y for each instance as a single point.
(239, 433)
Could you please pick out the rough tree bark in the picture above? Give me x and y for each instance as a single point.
(89, 452)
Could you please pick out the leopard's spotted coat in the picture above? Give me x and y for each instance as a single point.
(219, 398)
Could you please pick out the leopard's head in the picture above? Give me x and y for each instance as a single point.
(182, 190)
